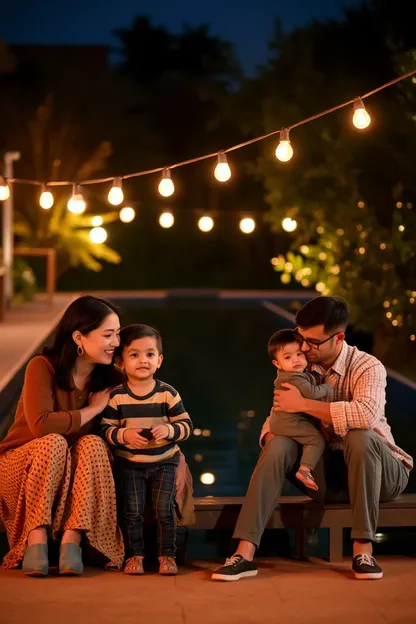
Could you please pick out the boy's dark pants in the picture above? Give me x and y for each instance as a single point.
(366, 472)
(133, 483)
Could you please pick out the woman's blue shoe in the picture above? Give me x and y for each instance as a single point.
(70, 560)
(35, 560)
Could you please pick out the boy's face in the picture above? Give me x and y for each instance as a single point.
(290, 358)
(141, 359)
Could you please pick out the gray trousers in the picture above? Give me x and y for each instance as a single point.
(301, 430)
(365, 472)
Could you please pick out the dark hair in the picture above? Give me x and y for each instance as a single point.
(280, 339)
(331, 312)
(134, 332)
(84, 315)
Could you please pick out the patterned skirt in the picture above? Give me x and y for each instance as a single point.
(45, 483)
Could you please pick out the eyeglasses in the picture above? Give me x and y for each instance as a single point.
(312, 345)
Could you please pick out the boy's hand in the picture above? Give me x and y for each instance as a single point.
(133, 438)
(161, 432)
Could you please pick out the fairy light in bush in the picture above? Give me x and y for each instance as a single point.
(222, 171)
(247, 225)
(206, 224)
(166, 220)
(116, 195)
(127, 214)
(76, 204)
(4, 189)
(46, 198)
(361, 119)
(166, 186)
(284, 151)
(289, 225)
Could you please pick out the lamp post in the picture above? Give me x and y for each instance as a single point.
(9, 159)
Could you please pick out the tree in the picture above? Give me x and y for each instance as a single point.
(352, 194)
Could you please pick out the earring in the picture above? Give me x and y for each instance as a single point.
(80, 350)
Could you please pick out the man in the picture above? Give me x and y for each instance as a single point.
(362, 458)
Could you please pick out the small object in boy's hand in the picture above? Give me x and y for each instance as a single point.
(146, 433)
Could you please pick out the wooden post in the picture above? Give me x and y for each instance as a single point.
(50, 255)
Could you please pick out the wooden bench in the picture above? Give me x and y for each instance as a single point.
(301, 513)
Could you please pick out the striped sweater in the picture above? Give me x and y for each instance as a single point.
(125, 410)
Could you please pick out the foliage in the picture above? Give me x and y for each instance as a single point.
(352, 193)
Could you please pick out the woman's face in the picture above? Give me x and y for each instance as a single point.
(99, 344)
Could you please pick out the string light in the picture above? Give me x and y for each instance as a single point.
(76, 204)
(284, 151)
(166, 219)
(247, 225)
(289, 225)
(412, 337)
(166, 186)
(4, 189)
(97, 221)
(401, 228)
(116, 195)
(222, 171)
(46, 198)
(205, 224)
(98, 235)
(127, 214)
(304, 249)
(320, 287)
(361, 119)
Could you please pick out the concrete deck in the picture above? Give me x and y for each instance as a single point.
(284, 592)
(25, 328)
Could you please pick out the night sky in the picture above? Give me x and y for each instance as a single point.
(247, 23)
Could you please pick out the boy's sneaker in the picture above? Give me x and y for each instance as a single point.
(235, 568)
(366, 568)
(167, 566)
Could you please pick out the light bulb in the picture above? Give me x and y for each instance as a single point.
(284, 150)
(127, 214)
(166, 219)
(116, 195)
(222, 171)
(166, 186)
(206, 224)
(289, 225)
(76, 204)
(247, 225)
(46, 199)
(97, 221)
(98, 235)
(4, 189)
(361, 119)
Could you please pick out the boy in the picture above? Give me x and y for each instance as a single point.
(291, 363)
(144, 420)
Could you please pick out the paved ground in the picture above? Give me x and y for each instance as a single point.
(284, 592)
(25, 327)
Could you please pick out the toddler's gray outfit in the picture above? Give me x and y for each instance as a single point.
(299, 426)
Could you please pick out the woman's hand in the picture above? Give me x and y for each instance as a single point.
(133, 439)
(161, 432)
(98, 400)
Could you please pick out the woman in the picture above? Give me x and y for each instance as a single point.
(55, 476)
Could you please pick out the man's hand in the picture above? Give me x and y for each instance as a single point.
(289, 400)
(133, 439)
(161, 432)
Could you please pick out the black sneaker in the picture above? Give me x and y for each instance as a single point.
(234, 569)
(365, 568)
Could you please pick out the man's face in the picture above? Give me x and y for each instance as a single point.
(320, 347)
